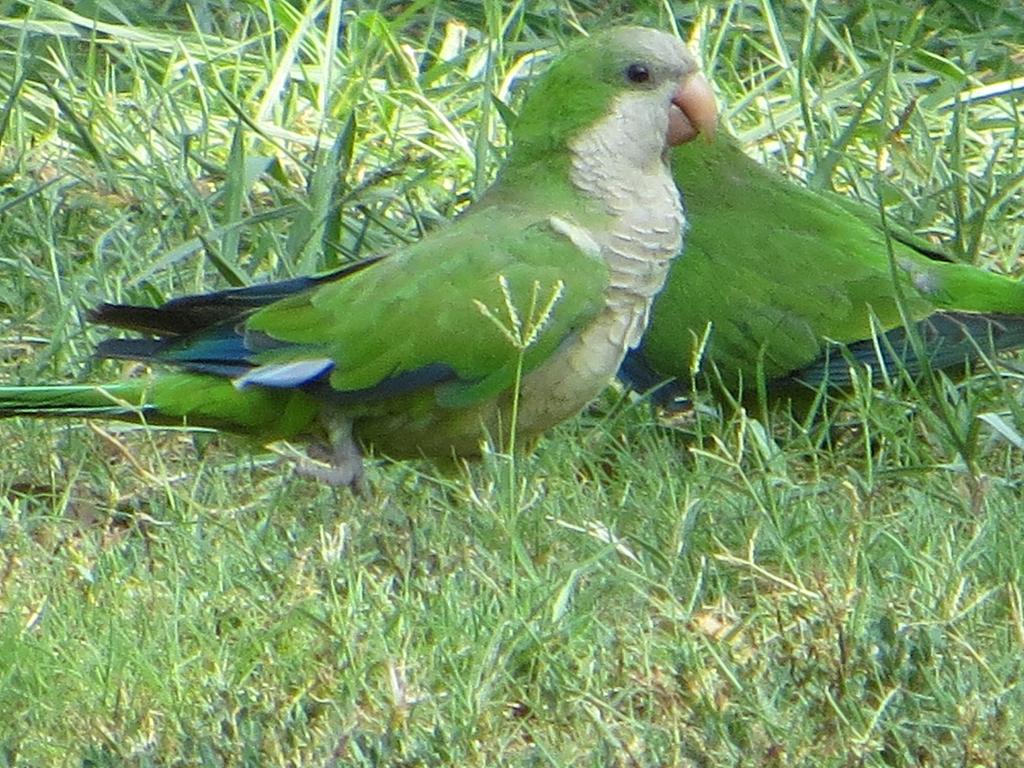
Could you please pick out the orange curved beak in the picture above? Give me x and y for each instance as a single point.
(693, 111)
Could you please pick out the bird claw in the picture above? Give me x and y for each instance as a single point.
(339, 463)
(337, 475)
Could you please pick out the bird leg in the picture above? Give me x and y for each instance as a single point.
(341, 455)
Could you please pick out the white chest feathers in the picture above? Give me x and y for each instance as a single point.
(634, 186)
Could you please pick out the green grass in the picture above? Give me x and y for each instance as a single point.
(699, 591)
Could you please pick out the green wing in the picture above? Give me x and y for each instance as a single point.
(417, 319)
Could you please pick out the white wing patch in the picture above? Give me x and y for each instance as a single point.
(285, 375)
(577, 235)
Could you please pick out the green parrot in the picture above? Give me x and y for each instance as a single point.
(796, 286)
(546, 281)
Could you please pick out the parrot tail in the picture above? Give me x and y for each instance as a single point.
(173, 400)
(948, 340)
(116, 401)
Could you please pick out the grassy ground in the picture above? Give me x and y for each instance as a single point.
(637, 592)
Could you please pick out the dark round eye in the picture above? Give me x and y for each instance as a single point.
(638, 73)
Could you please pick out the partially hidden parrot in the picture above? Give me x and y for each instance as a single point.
(546, 282)
(785, 290)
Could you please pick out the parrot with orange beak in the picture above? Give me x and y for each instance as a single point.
(513, 317)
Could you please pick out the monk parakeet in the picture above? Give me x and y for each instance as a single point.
(797, 286)
(546, 281)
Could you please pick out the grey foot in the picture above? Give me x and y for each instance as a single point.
(340, 463)
(337, 476)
